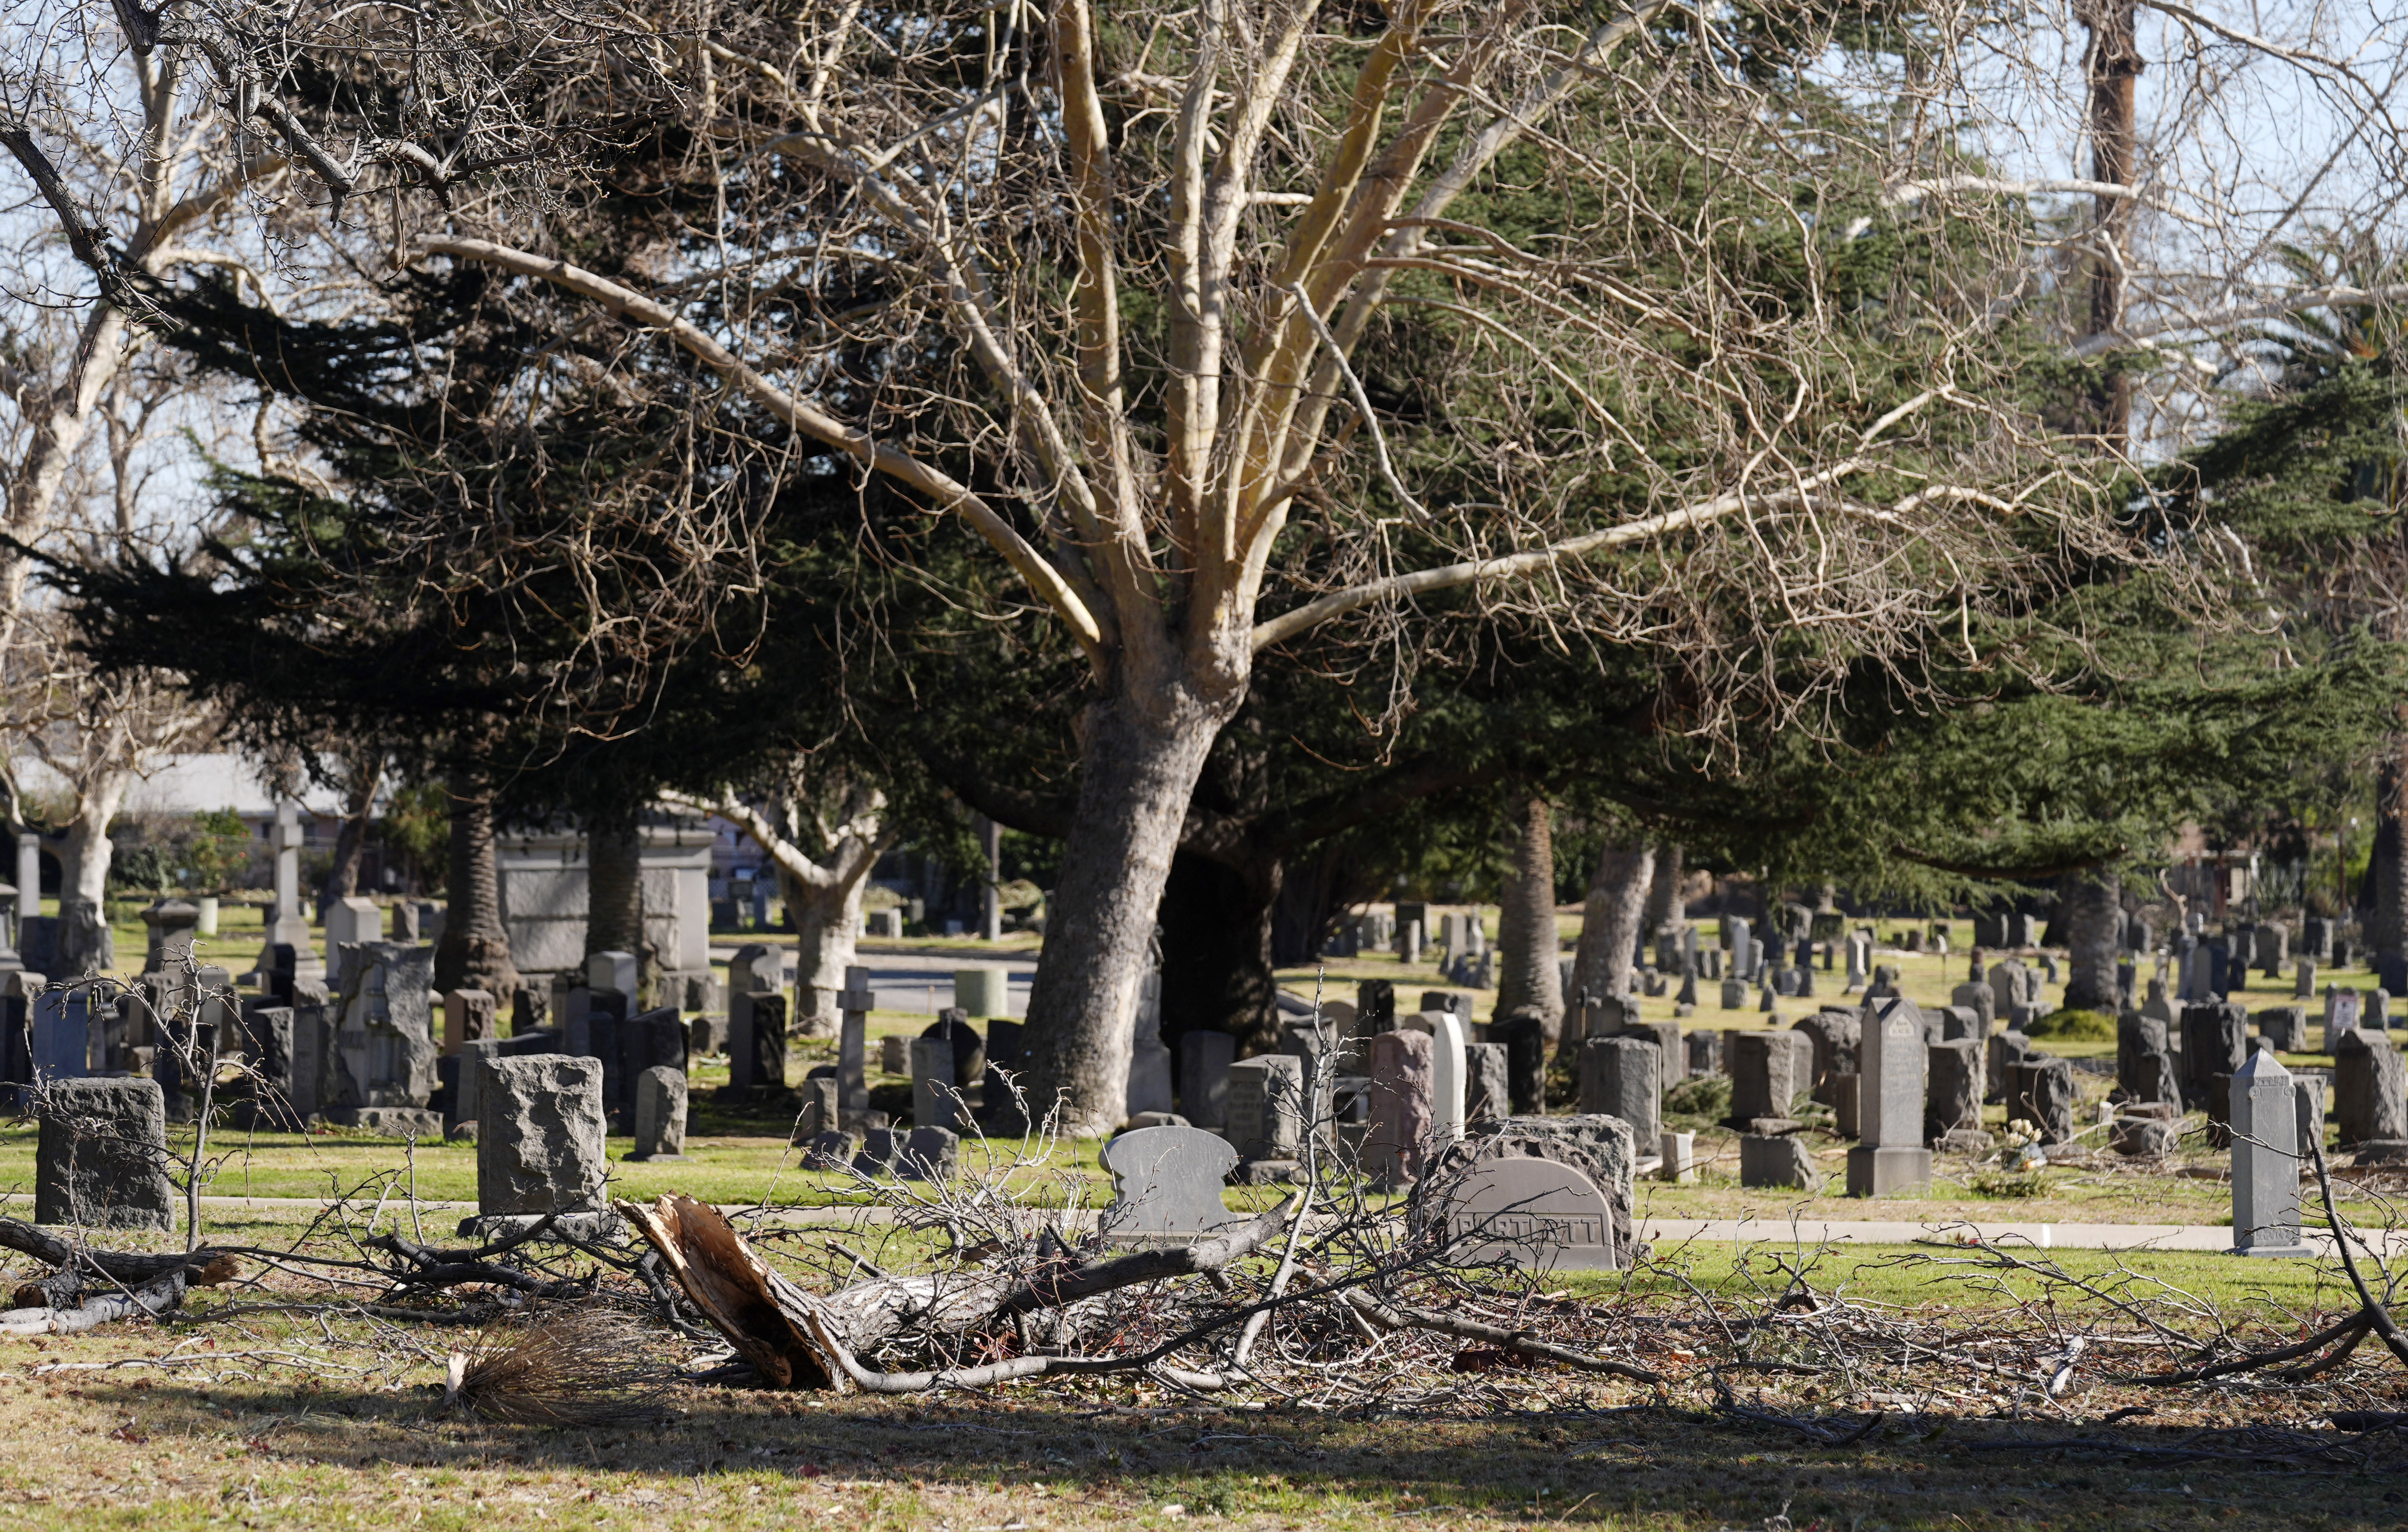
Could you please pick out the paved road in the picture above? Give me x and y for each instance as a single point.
(1665, 1231)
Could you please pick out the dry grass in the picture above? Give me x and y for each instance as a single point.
(583, 1367)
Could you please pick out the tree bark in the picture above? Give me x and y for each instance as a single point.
(1528, 947)
(475, 952)
(1217, 972)
(827, 933)
(2112, 66)
(1137, 769)
(2090, 900)
(86, 944)
(614, 890)
(2387, 866)
(1665, 909)
(1611, 920)
(350, 842)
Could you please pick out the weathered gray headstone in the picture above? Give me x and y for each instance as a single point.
(468, 1014)
(1524, 1039)
(2041, 1093)
(1599, 1148)
(2216, 1038)
(1486, 1095)
(756, 1049)
(2266, 1157)
(1837, 1036)
(1618, 1079)
(541, 1136)
(1891, 1160)
(822, 1108)
(832, 1148)
(936, 1101)
(2283, 1028)
(1403, 1071)
(1265, 1107)
(929, 1154)
(1776, 1160)
(1768, 1070)
(1953, 1094)
(2007, 1050)
(660, 1114)
(1538, 1214)
(878, 1148)
(1166, 1183)
(384, 1039)
(1705, 1053)
(101, 1158)
(2341, 1014)
(1204, 1060)
(2303, 978)
(466, 1083)
(2370, 1088)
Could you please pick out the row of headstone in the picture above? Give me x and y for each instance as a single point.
(2007, 930)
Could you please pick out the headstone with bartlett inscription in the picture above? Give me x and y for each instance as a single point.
(1537, 1214)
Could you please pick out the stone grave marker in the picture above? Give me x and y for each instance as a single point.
(936, 1101)
(2370, 1090)
(832, 1148)
(929, 1154)
(2283, 1028)
(1679, 1153)
(463, 1078)
(1525, 1039)
(1955, 1075)
(100, 1159)
(2341, 1014)
(384, 1041)
(2007, 1050)
(1776, 1160)
(969, 1048)
(1705, 1050)
(1449, 1038)
(660, 1114)
(1266, 1107)
(1768, 1070)
(468, 1016)
(1891, 1159)
(542, 1144)
(1403, 1069)
(1535, 1214)
(1835, 1036)
(1204, 1060)
(1167, 1185)
(878, 1148)
(760, 1050)
(822, 1106)
(2376, 1015)
(2264, 1113)
(2216, 1038)
(2303, 980)
(1618, 1079)
(895, 1055)
(1487, 1094)
(1599, 1148)
(2041, 1093)
(1004, 1113)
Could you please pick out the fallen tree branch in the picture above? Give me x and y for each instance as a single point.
(203, 1267)
(143, 1302)
(1517, 1341)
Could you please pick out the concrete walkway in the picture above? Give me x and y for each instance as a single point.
(1664, 1233)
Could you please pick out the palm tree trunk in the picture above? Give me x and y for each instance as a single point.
(2388, 867)
(614, 891)
(475, 952)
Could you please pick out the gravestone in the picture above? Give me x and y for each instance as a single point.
(1448, 1041)
(2376, 1013)
(1779, 1160)
(1149, 1071)
(936, 1101)
(756, 1056)
(2145, 1064)
(1204, 1060)
(171, 925)
(2214, 1040)
(878, 1148)
(832, 1148)
(929, 1154)
(1678, 1152)
(2143, 1138)
(1599, 1148)
(468, 1016)
(541, 1139)
(1534, 1214)
(1167, 1185)
(1003, 1109)
(1487, 1096)
(1402, 1067)
(660, 1114)
(2303, 980)
(1768, 1070)
(2283, 1028)
(2341, 1014)
(2308, 1086)
(1618, 1079)
(2273, 948)
(101, 1156)
(895, 1055)
(1266, 1107)
(2040, 1093)
(969, 1048)
(1835, 1036)
(1375, 1008)
(1891, 1159)
(69, 1034)
(2370, 1088)
(463, 1076)
(1952, 1092)
(267, 1041)
(384, 1041)
(822, 1108)
(2265, 1113)
(1734, 994)
(1524, 1037)
(1705, 1053)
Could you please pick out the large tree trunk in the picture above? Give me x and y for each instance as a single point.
(86, 945)
(350, 842)
(827, 933)
(1610, 921)
(1528, 947)
(1138, 768)
(475, 952)
(2089, 900)
(614, 891)
(2387, 867)
(2112, 66)
(1665, 907)
(1217, 971)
